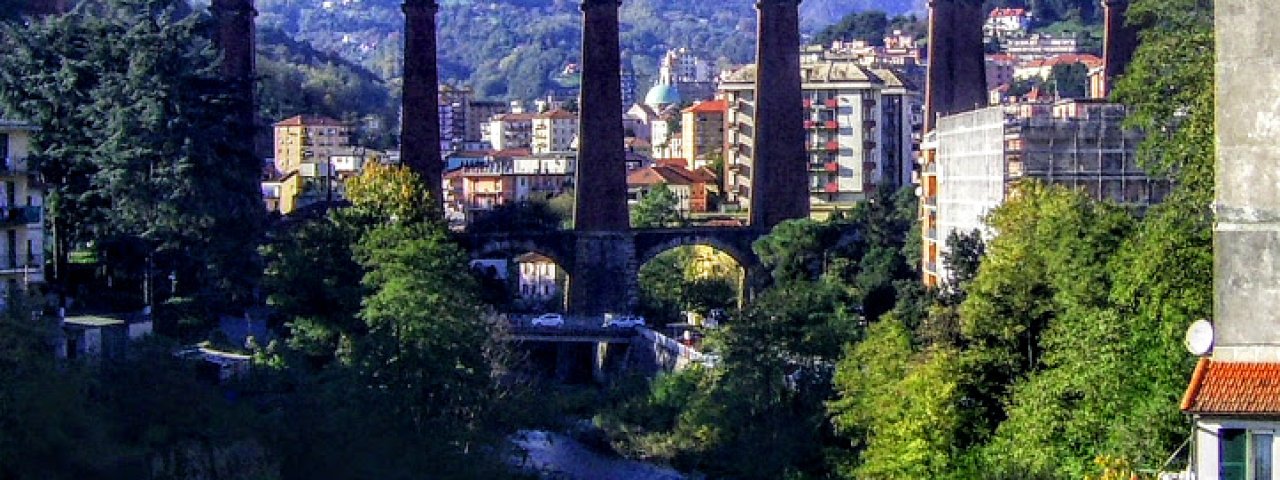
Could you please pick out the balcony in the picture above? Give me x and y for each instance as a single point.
(869, 123)
(832, 167)
(869, 166)
(808, 103)
(809, 124)
(832, 187)
(833, 146)
(868, 102)
(868, 145)
(20, 215)
(15, 264)
(832, 125)
(832, 103)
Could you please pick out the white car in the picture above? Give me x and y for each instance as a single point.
(548, 320)
(623, 321)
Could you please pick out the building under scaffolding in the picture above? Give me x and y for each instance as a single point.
(982, 154)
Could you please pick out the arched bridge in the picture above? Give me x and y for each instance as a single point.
(603, 267)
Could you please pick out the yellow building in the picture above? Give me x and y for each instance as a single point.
(21, 210)
(304, 146)
(702, 128)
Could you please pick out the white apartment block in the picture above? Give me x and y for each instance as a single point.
(553, 131)
(858, 124)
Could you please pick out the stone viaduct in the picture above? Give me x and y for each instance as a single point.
(602, 254)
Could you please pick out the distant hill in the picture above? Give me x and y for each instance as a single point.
(817, 14)
(514, 48)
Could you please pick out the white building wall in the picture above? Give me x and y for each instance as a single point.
(1207, 450)
(971, 173)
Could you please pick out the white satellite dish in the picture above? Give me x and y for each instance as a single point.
(1200, 338)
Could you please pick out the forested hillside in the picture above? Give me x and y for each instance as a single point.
(514, 48)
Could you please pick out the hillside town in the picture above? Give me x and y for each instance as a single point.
(999, 240)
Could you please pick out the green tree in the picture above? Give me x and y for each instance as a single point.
(868, 26)
(141, 154)
(1069, 81)
(658, 209)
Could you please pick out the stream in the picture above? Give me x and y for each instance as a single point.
(560, 457)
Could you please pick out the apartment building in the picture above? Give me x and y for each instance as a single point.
(977, 157)
(553, 131)
(498, 180)
(511, 130)
(305, 148)
(702, 132)
(21, 210)
(859, 132)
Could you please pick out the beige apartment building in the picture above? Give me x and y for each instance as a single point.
(21, 210)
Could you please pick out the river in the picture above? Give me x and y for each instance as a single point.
(560, 457)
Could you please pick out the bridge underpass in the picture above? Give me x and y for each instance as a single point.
(603, 268)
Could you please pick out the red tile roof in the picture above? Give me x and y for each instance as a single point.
(668, 174)
(557, 114)
(1008, 12)
(710, 106)
(310, 121)
(1233, 388)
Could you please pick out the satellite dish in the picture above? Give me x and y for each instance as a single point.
(1200, 338)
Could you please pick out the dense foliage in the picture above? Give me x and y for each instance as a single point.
(139, 151)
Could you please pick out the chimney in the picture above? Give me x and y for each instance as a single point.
(780, 182)
(1119, 42)
(1246, 240)
(957, 79)
(420, 122)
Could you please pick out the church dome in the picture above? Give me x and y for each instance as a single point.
(661, 95)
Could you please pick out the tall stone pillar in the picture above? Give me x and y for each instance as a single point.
(602, 172)
(780, 181)
(234, 38)
(420, 110)
(1119, 42)
(957, 78)
(1246, 240)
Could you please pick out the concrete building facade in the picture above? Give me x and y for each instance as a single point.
(21, 211)
(553, 131)
(1233, 397)
(857, 124)
(702, 132)
(304, 146)
(983, 154)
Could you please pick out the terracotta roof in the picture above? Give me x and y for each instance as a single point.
(515, 117)
(310, 121)
(710, 106)
(1066, 59)
(510, 153)
(1233, 388)
(558, 114)
(1008, 12)
(668, 174)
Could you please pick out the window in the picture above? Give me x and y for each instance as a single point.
(1245, 455)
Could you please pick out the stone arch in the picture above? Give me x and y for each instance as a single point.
(660, 241)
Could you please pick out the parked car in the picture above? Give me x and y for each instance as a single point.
(548, 320)
(623, 321)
